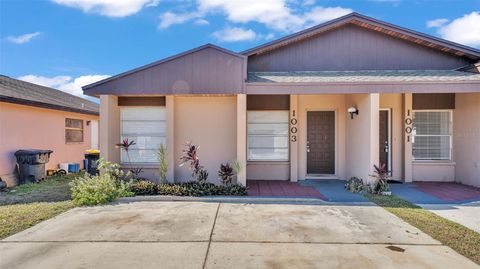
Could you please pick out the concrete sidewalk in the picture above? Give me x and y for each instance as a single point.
(226, 235)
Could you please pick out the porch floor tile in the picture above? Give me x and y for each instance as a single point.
(278, 188)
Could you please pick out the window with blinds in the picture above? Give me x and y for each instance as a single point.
(147, 127)
(267, 135)
(432, 135)
(73, 130)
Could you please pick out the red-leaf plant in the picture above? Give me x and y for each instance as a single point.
(125, 145)
(190, 157)
(381, 179)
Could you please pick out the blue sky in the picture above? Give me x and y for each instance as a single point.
(69, 43)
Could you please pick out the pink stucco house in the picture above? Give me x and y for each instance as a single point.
(327, 102)
(33, 116)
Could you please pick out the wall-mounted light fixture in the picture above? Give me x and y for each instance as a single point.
(352, 110)
(88, 122)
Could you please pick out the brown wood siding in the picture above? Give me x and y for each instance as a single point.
(268, 102)
(206, 71)
(434, 101)
(352, 47)
(141, 101)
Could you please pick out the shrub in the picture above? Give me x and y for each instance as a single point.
(162, 163)
(380, 176)
(226, 173)
(354, 185)
(200, 189)
(190, 157)
(143, 187)
(100, 189)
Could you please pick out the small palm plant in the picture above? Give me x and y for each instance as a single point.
(163, 163)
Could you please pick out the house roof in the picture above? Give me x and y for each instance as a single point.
(26, 93)
(374, 25)
(161, 62)
(363, 76)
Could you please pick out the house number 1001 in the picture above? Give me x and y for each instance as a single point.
(293, 128)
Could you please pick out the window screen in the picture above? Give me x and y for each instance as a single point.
(73, 130)
(432, 135)
(268, 135)
(147, 127)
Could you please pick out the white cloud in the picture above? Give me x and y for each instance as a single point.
(201, 22)
(275, 14)
(168, 19)
(436, 23)
(22, 39)
(109, 8)
(234, 34)
(464, 30)
(65, 83)
(308, 2)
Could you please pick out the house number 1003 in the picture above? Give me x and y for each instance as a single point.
(293, 128)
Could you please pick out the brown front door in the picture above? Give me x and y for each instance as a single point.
(384, 146)
(321, 142)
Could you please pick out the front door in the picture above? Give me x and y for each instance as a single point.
(384, 141)
(321, 142)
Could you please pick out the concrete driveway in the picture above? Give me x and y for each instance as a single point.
(226, 235)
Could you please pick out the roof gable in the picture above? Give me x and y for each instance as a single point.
(26, 93)
(375, 25)
(163, 61)
(204, 70)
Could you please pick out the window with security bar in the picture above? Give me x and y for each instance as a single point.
(432, 135)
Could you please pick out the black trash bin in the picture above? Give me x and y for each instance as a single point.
(91, 163)
(31, 164)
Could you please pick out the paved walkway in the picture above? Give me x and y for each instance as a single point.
(456, 202)
(436, 193)
(278, 188)
(226, 235)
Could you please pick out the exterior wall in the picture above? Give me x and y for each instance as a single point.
(109, 128)
(466, 138)
(362, 135)
(395, 104)
(433, 171)
(26, 127)
(317, 103)
(353, 48)
(210, 123)
(268, 170)
(207, 70)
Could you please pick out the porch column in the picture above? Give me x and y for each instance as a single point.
(362, 135)
(109, 128)
(170, 137)
(242, 137)
(407, 151)
(293, 138)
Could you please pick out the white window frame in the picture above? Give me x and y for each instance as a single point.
(450, 135)
(287, 136)
(125, 162)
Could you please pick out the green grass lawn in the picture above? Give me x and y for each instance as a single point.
(449, 233)
(18, 217)
(24, 206)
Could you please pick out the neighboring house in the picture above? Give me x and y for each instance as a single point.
(38, 117)
(282, 108)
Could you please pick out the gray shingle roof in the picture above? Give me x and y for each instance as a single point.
(22, 92)
(363, 76)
